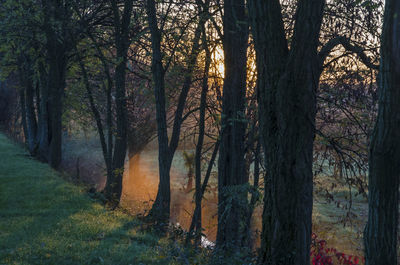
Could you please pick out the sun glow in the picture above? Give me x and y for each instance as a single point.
(218, 66)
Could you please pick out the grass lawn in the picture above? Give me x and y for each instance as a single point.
(46, 220)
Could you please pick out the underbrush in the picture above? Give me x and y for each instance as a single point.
(321, 254)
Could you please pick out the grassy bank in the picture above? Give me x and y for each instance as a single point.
(46, 220)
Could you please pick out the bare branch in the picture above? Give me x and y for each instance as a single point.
(345, 42)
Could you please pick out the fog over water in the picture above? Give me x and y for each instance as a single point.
(141, 184)
(140, 189)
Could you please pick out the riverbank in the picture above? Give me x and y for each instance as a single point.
(46, 220)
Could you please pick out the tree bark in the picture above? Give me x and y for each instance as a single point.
(287, 83)
(232, 194)
(22, 103)
(160, 211)
(31, 117)
(122, 41)
(108, 86)
(43, 120)
(380, 235)
(255, 193)
(196, 225)
(95, 111)
(26, 78)
(56, 85)
(161, 207)
(56, 27)
(202, 191)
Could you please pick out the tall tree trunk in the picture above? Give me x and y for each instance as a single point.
(199, 147)
(380, 235)
(110, 129)
(160, 211)
(197, 210)
(43, 120)
(56, 27)
(26, 78)
(122, 41)
(31, 117)
(115, 191)
(22, 103)
(108, 86)
(232, 194)
(161, 207)
(56, 85)
(255, 193)
(287, 84)
(95, 111)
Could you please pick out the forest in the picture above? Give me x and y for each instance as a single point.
(200, 132)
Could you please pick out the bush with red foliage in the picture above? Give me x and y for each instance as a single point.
(322, 255)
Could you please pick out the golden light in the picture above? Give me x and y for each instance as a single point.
(218, 62)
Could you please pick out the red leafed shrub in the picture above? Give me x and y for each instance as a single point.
(322, 255)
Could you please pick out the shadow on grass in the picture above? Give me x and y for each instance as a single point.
(45, 220)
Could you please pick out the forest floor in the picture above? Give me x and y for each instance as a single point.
(45, 219)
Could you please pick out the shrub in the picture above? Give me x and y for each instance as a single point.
(322, 255)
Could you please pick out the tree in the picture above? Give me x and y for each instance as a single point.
(288, 78)
(7, 103)
(380, 235)
(43, 45)
(196, 224)
(160, 211)
(162, 204)
(123, 28)
(122, 33)
(20, 56)
(58, 29)
(27, 77)
(232, 178)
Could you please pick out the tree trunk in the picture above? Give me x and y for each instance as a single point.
(43, 120)
(255, 194)
(110, 130)
(56, 23)
(160, 211)
(197, 210)
(161, 207)
(380, 235)
(95, 112)
(56, 85)
(200, 141)
(108, 86)
(232, 193)
(22, 103)
(287, 84)
(31, 117)
(113, 188)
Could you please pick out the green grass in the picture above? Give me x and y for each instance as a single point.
(46, 220)
(329, 218)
